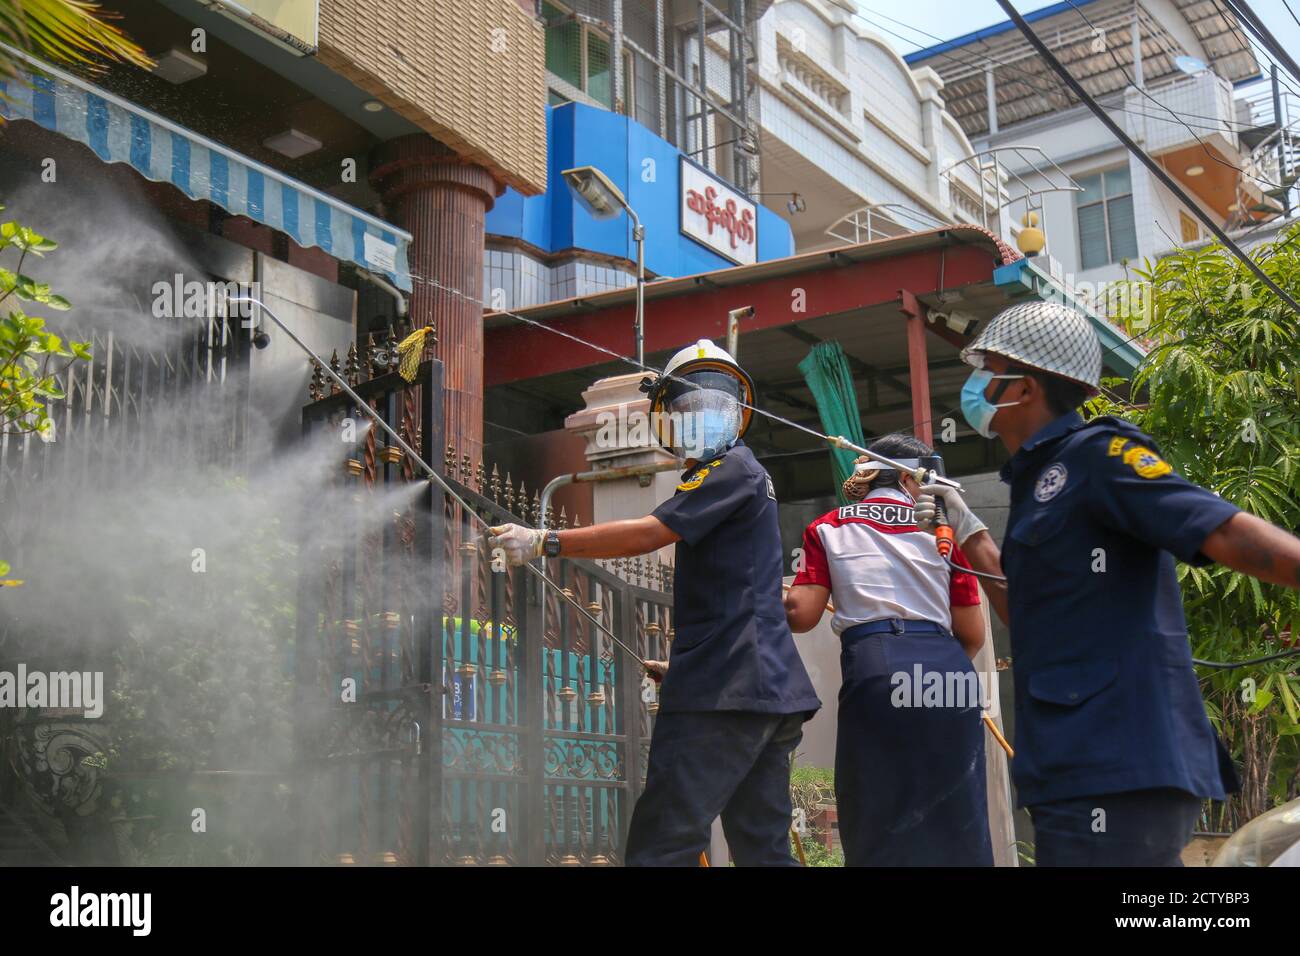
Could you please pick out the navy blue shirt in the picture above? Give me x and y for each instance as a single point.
(1106, 697)
(733, 649)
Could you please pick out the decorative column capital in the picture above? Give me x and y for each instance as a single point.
(419, 162)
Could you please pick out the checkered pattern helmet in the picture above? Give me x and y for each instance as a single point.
(1042, 335)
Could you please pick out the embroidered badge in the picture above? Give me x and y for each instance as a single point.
(771, 489)
(1146, 462)
(1117, 445)
(1050, 482)
(692, 483)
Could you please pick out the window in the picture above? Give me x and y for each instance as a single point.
(1105, 213)
(578, 54)
(1190, 227)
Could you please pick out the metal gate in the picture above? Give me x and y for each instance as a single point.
(450, 713)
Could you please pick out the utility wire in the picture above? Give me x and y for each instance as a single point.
(1154, 167)
(1133, 84)
(1217, 120)
(1035, 78)
(1256, 26)
(1292, 12)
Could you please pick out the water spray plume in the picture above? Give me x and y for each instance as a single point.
(436, 478)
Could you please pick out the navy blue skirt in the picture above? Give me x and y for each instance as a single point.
(909, 754)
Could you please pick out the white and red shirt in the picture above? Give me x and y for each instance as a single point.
(879, 565)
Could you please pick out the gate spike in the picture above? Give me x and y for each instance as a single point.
(537, 506)
(548, 519)
(316, 388)
(466, 470)
(510, 495)
(495, 485)
(334, 367)
(368, 355)
(449, 462)
(352, 367)
(480, 477)
(390, 349)
(564, 518)
(522, 513)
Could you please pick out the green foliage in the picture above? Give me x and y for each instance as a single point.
(1221, 385)
(812, 788)
(32, 358)
(66, 31)
(30, 355)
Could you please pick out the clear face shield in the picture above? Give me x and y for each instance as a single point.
(704, 413)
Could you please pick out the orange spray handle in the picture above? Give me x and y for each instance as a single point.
(944, 539)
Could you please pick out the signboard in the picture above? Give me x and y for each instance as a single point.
(717, 216)
(291, 22)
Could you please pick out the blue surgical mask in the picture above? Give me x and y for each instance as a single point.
(717, 431)
(977, 409)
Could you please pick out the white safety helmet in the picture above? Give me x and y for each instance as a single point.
(703, 383)
(1042, 335)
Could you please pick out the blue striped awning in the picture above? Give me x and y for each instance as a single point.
(120, 132)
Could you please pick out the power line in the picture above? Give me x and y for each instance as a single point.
(1256, 26)
(1037, 78)
(1219, 121)
(1258, 48)
(1132, 147)
(1204, 148)
(1292, 12)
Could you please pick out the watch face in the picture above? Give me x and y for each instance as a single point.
(551, 544)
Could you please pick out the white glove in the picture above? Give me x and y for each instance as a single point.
(520, 544)
(960, 517)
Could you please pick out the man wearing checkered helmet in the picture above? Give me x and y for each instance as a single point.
(1114, 753)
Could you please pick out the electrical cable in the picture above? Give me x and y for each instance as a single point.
(1204, 148)
(1232, 665)
(1034, 78)
(1142, 156)
(1255, 25)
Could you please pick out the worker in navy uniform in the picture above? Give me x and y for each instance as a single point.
(733, 702)
(909, 764)
(1114, 752)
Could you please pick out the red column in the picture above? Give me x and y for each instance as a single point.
(918, 366)
(442, 201)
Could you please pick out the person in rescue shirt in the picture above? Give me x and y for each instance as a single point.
(909, 768)
(735, 696)
(1114, 752)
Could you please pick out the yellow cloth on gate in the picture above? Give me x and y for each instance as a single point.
(409, 350)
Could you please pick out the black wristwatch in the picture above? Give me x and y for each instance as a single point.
(551, 544)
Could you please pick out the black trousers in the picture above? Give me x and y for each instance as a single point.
(909, 778)
(706, 763)
(1137, 828)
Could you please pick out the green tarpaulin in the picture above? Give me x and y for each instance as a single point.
(826, 371)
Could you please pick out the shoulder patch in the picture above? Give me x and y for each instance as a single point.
(1146, 462)
(771, 489)
(1117, 445)
(692, 483)
(1051, 482)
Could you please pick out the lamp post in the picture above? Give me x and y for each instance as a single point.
(603, 200)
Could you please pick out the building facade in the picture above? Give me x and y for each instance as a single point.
(1179, 77)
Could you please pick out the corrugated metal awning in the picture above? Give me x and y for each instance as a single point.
(119, 131)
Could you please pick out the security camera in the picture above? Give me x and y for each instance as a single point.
(963, 323)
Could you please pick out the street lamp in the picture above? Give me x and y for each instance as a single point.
(600, 197)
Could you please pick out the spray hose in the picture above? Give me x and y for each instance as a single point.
(437, 479)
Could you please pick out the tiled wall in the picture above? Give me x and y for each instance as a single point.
(515, 280)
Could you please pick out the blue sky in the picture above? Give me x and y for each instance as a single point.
(952, 18)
